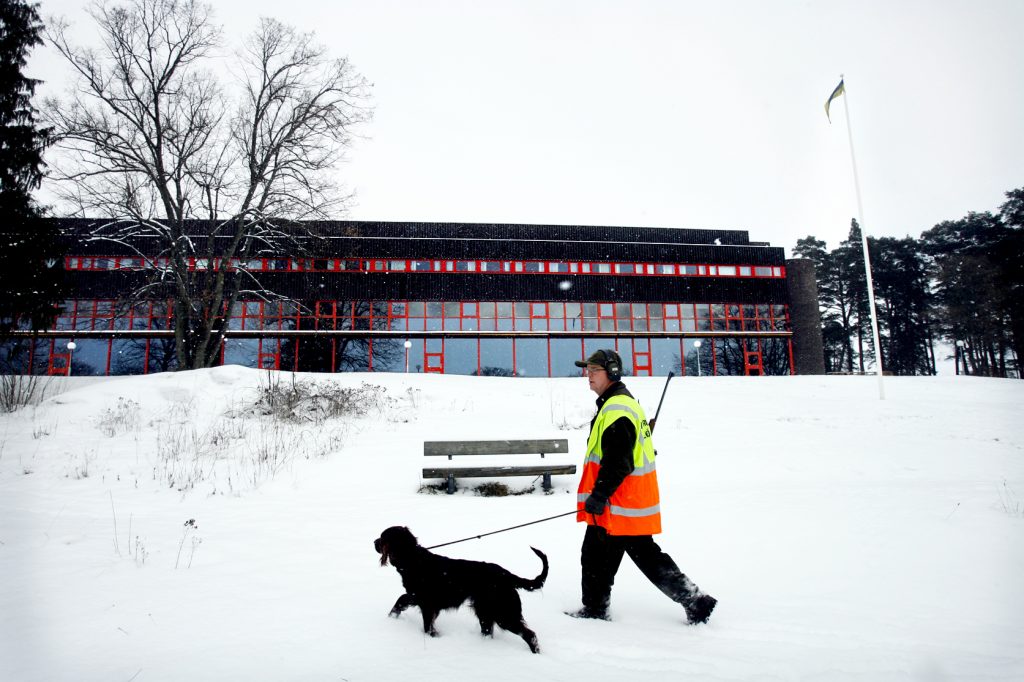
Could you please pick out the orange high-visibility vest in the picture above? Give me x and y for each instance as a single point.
(634, 507)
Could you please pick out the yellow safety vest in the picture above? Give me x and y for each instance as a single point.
(634, 508)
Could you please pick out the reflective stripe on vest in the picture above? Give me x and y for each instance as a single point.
(623, 511)
(634, 508)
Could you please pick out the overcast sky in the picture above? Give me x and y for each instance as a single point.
(670, 113)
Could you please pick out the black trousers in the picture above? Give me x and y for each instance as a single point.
(602, 554)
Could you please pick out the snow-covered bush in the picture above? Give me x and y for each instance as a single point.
(305, 400)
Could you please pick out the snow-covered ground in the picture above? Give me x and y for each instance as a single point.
(846, 538)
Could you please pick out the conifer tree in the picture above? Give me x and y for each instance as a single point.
(969, 288)
(902, 299)
(1009, 255)
(30, 266)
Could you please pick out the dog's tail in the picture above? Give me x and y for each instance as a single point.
(538, 582)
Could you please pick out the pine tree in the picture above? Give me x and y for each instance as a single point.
(30, 267)
(1009, 255)
(842, 295)
(974, 291)
(902, 299)
(850, 259)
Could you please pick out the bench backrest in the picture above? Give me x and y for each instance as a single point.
(450, 448)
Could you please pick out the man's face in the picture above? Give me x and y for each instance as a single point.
(598, 378)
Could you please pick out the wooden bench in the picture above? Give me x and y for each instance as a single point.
(458, 448)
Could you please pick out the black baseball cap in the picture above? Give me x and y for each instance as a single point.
(601, 358)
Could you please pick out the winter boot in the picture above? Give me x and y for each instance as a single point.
(699, 610)
(588, 613)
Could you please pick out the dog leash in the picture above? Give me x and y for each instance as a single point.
(493, 532)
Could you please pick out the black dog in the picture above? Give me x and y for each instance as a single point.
(434, 582)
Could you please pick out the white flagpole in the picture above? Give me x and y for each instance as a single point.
(864, 244)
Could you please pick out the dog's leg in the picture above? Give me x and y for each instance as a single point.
(485, 614)
(429, 616)
(404, 602)
(519, 628)
(486, 621)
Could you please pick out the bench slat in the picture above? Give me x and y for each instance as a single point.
(485, 472)
(495, 447)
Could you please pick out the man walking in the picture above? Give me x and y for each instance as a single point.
(618, 499)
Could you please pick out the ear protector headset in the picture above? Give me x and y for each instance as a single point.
(613, 365)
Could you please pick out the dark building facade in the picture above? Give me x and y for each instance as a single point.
(473, 299)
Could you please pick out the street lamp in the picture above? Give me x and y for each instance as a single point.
(408, 345)
(71, 352)
(696, 344)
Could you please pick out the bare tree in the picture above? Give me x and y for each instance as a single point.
(196, 175)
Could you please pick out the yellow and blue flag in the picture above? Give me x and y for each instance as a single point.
(835, 93)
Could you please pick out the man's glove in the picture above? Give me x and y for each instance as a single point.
(595, 503)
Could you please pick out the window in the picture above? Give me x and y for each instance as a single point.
(531, 357)
(496, 357)
(564, 354)
(460, 356)
(726, 270)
